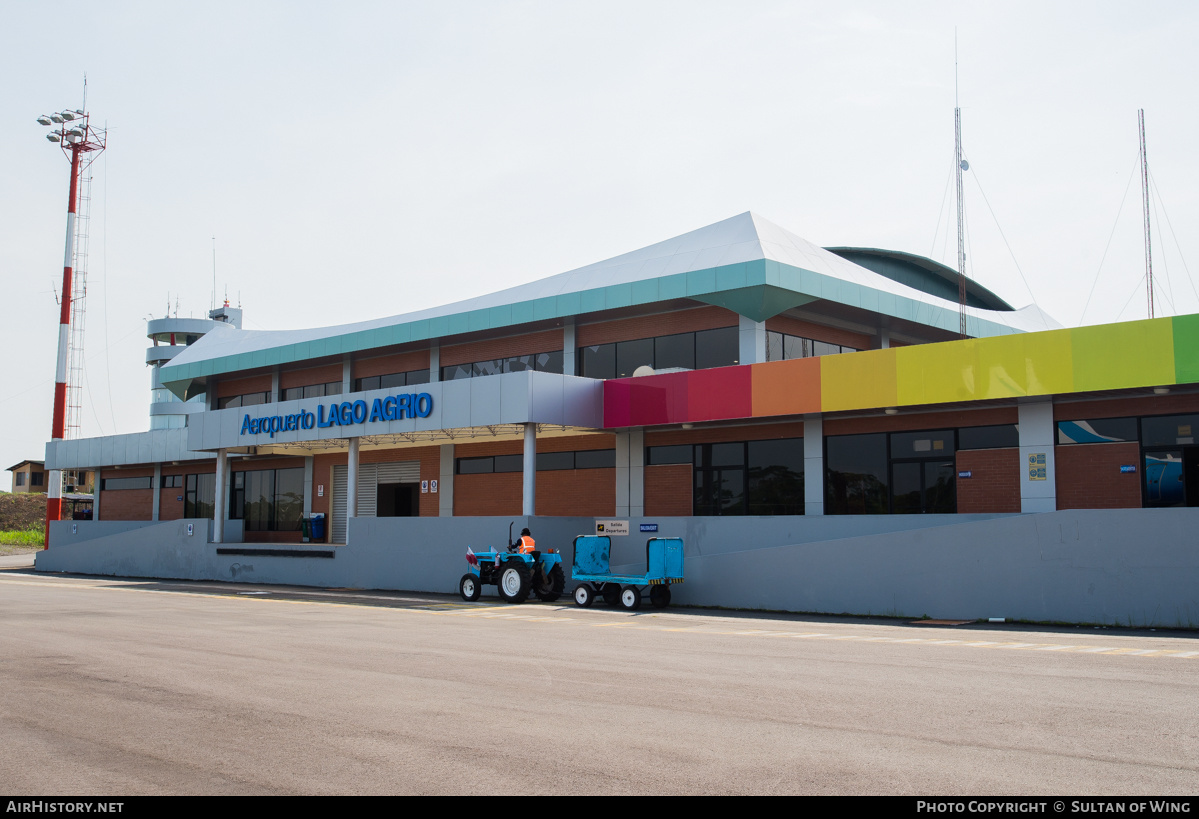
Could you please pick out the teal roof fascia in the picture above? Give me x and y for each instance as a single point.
(755, 289)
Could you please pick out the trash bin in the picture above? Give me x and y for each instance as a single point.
(318, 526)
(305, 529)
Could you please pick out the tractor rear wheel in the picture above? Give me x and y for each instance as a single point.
(611, 593)
(549, 587)
(514, 583)
(469, 587)
(659, 596)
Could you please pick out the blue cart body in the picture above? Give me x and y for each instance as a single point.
(592, 568)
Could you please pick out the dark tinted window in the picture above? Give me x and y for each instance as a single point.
(680, 454)
(1169, 430)
(716, 348)
(633, 354)
(595, 458)
(996, 437)
(934, 444)
(457, 371)
(509, 463)
(482, 368)
(549, 461)
(475, 466)
(550, 362)
(674, 351)
(393, 380)
(417, 377)
(776, 477)
(111, 484)
(856, 467)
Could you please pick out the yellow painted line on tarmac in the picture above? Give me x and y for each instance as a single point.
(504, 612)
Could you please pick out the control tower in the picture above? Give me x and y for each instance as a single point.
(170, 336)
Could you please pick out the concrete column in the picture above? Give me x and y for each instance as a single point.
(813, 464)
(156, 488)
(434, 363)
(347, 372)
(884, 338)
(751, 336)
(636, 472)
(96, 496)
(570, 354)
(622, 474)
(529, 486)
(1038, 481)
(308, 473)
(218, 506)
(445, 483)
(275, 394)
(351, 486)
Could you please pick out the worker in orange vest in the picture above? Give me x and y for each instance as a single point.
(525, 544)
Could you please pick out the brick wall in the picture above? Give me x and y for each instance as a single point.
(994, 484)
(806, 329)
(388, 364)
(925, 420)
(430, 469)
(242, 386)
(713, 435)
(308, 375)
(1089, 476)
(125, 504)
(660, 324)
(1171, 404)
(564, 492)
(668, 490)
(543, 342)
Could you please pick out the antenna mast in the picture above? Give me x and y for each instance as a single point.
(959, 166)
(1145, 197)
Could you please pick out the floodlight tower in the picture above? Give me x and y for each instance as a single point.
(81, 144)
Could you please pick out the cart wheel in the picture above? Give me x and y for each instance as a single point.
(515, 582)
(659, 596)
(611, 593)
(584, 596)
(630, 598)
(469, 587)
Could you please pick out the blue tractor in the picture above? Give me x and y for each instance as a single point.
(515, 575)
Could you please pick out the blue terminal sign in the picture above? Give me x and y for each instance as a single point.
(347, 413)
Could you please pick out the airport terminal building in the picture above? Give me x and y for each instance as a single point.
(809, 420)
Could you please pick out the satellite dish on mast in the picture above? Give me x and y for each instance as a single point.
(965, 165)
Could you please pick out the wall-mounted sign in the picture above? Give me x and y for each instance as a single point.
(190, 529)
(347, 413)
(1128, 467)
(966, 474)
(649, 527)
(1038, 470)
(433, 487)
(612, 527)
(320, 490)
(424, 487)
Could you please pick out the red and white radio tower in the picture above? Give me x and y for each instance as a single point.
(79, 141)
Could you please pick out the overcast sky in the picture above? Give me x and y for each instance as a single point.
(366, 159)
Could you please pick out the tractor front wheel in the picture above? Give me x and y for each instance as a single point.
(469, 587)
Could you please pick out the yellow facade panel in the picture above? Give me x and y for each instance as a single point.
(1118, 356)
(857, 380)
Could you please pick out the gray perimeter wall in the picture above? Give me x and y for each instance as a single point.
(1127, 567)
